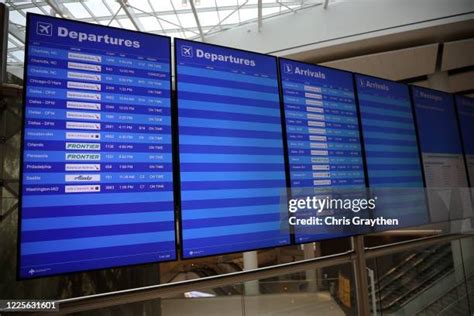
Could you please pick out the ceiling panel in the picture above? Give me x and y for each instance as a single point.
(458, 54)
(395, 65)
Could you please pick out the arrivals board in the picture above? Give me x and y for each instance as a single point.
(391, 148)
(233, 185)
(97, 184)
(322, 133)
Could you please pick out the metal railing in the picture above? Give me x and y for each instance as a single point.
(104, 300)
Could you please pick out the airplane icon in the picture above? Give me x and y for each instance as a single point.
(45, 29)
(31, 272)
(187, 51)
(288, 68)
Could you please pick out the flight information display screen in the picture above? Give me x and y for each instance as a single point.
(442, 153)
(231, 151)
(465, 108)
(439, 138)
(97, 185)
(322, 132)
(391, 147)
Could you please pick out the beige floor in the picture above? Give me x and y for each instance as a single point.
(263, 305)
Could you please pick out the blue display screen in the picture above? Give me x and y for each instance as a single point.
(97, 185)
(442, 153)
(322, 132)
(389, 133)
(437, 123)
(465, 107)
(391, 149)
(231, 151)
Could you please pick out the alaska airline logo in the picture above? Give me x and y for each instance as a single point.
(45, 29)
(82, 177)
(187, 51)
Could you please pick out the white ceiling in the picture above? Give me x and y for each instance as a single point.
(175, 18)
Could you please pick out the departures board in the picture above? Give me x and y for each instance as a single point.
(97, 184)
(232, 165)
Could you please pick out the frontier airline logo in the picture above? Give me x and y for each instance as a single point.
(82, 156)
(82, 146)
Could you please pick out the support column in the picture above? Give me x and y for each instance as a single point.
(3, 78)
(457, 260)
(311, 278)
(3, 139)
(2, 158)
(4, 42)
(360, 274)
(250, 263)
(467, 249)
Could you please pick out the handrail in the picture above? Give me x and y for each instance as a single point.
(384, 250)
(104, 300)
(96, 301)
